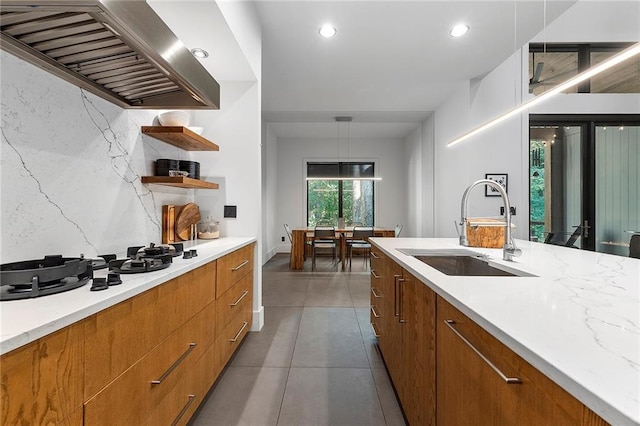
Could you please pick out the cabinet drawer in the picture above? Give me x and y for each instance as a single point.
(134, 396)
(472, 372)
(119, 336)
(179, 406)
(234, 300)
(229, 340)
(42, 381)
(232, 267)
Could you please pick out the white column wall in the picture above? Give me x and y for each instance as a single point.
(271, 228)
(415, 170)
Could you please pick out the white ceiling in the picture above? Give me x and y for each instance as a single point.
(391, 63)
(387, 55)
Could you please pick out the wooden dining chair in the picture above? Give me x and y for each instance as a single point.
(324, 237)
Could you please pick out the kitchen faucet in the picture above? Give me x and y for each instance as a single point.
(509, 250)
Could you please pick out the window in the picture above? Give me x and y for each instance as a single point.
(552, 64)
(336, 190)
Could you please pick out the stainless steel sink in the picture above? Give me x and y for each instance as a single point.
(462, 262)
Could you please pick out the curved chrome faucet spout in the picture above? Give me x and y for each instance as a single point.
(509, 249)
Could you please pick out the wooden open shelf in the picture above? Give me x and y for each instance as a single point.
(181, 137)
(179, 182)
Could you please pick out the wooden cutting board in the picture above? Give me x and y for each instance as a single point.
(168, 224)
(186, 216)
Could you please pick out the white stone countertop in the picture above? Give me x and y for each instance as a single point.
(577, 321)
(24, 321)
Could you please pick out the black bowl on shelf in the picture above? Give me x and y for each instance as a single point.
(163, 166)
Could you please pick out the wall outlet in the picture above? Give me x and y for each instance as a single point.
(513, 211)
(282, 239)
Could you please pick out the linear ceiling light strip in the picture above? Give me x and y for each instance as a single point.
(614, 60)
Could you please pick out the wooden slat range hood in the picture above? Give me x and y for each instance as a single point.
(119, 50)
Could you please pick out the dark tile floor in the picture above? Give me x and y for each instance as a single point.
(314, 362)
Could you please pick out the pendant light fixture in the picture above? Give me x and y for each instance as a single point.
(349, 175)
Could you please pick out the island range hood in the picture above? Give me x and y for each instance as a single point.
(119, 50)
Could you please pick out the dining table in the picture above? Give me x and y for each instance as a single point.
(300, 235)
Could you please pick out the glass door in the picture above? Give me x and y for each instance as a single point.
(584, 182)
(555, 184)
(617, 152)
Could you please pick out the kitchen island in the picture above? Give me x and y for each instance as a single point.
(573, 316)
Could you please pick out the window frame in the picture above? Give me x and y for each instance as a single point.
(584, 51)
(341, 179)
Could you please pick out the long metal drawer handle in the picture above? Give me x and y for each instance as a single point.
(376, 276)
(240, 265)
(184, 409)
(244, 293)
(375, 294)
(401, 314)
(395, 295)
(373, 311)
(244, 325)
(508, 380)
(192, 346)
(374, 255)
(373, 327)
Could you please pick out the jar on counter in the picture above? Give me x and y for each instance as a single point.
(209, 229)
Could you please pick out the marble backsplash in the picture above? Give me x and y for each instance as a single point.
(71, 164)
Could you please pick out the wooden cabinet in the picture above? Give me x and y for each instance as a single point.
(154, 378)
(480, 378)
(42, 381)
(405, 310)
(378, 304)
(232, 267)
(417, 318)
(118, 337)
(149, 360)
(234, 291)
(447, 370)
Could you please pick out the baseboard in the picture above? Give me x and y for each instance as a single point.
(268, 255)
(258, 319)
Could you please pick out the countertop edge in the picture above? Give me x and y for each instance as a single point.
(11, 342)
(594, 402)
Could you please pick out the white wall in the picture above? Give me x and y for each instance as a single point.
(497, 150)
(390, 193)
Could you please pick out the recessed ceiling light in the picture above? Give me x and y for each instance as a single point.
(199, 53)
(328, 31)
(459, 30)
